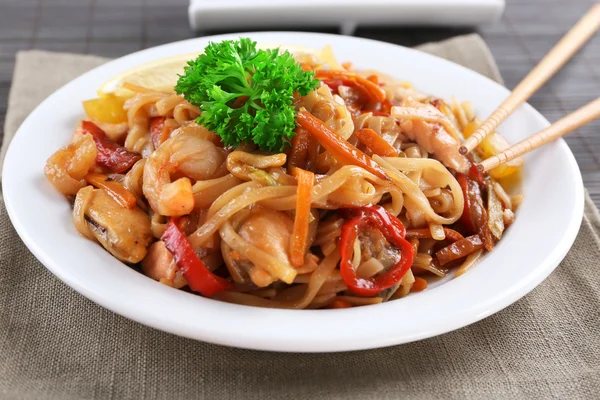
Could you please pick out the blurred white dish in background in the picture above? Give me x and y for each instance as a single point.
(347, 14)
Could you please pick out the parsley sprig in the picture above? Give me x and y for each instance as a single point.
(246, 94)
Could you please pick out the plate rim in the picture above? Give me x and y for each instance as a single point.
(551, 261)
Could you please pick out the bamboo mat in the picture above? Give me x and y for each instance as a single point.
(114, 28)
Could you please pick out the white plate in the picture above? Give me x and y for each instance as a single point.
(545, 228)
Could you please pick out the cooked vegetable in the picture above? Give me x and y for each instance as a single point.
(475, 217)
(469, 262)
(493, 144)
(115, 190)
(246, 94)
(334, 79)
(375, 143)
(476, 174)
(115, 158)
(108, 109)
(419, 285)
(337, 303)
(197, 275)
(302, 220)
(299, 150)
(472, 217)
(495, 212)
(261, 176)
(393, 231)
(459, 249)
(341, 149)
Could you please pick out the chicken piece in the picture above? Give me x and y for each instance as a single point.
(433, 136)
(270, 231)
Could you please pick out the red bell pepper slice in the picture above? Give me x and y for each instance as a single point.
(197, 275)
(115, 158)
(473, 211)
(394, 232)
(476, 174)
(158, 133)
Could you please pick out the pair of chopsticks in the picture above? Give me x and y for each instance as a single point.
(552, 62)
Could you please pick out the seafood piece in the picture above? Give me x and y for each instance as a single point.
(433, 136)
(66, 168)
(267, 230)
(124, 232)
(184, 156)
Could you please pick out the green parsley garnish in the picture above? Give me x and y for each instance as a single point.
(246, 94)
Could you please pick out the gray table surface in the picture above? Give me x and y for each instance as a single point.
(525, 33)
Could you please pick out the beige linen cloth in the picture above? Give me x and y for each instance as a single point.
(56, 344)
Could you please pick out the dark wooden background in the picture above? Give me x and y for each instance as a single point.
(525, 33)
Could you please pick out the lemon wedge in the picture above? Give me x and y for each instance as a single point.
(160, 75)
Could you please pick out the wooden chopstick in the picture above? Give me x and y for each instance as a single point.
(576, 119)
(551, 63)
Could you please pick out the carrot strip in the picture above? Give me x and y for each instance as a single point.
(375, 143)
(373, 78)
(338, 303)
(299, 149)
(302, 219)
(117, 191)
(419, 285)
(338, 146)
(369, 89)
(372, 90)
(306, 67)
